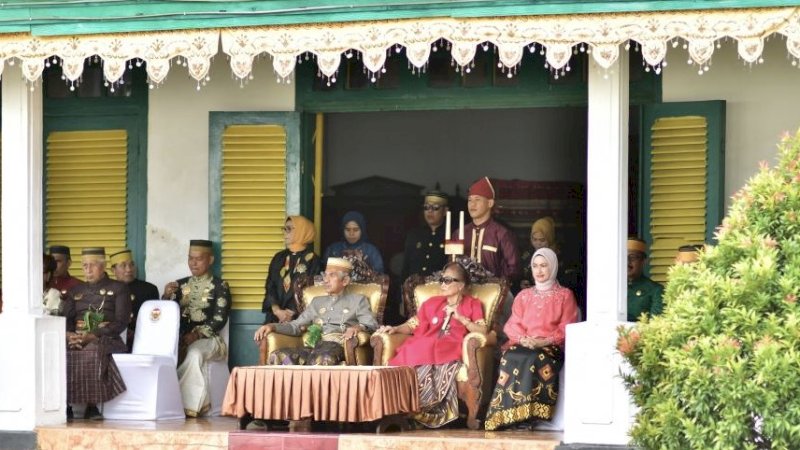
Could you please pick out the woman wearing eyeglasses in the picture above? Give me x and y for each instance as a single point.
(298, 258)
(527, 384)
(434, 348)
(355, 243)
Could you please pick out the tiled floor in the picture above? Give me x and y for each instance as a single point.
(222, 433)
(188, 434)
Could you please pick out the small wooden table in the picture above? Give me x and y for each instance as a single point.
(322, 393)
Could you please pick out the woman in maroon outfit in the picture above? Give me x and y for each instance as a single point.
(434, 348)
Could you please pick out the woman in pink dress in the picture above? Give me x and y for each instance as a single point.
(434, 348)
(527, 384)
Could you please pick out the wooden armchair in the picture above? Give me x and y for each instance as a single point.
(475, 376)
(357, 350)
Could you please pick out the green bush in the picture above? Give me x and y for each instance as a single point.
(720, 369)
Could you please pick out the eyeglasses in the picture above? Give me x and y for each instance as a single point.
(287, 229)
(448, 280)
(635, 257)
(432, 207)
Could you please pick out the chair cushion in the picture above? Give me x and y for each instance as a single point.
(487, 293)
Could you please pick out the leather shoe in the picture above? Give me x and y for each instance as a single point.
(92, 413)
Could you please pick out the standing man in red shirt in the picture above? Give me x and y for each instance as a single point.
(485, 240)
(491, 244)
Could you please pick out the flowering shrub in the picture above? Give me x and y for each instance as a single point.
(720, 369)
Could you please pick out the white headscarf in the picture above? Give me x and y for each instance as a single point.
(552, 262)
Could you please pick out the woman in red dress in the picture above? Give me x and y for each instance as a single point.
(434, 348)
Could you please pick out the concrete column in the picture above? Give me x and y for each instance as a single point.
(597, 405)
(32, 349)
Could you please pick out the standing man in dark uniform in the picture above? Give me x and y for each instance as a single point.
(92, 375)
(424, 249)
(644, 294)
(62, 280)
(125, 271)
(205, 302)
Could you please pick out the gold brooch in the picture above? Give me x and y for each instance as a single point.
(155, 314)
(186, 290)
(322, 311)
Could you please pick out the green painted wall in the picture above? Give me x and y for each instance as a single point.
(68, 17)
(485, 87)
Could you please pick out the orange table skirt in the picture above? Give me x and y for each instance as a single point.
(329, 393)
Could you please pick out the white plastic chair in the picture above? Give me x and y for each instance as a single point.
(218, 374)
(150, 372)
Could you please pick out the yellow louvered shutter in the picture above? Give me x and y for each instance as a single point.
(86, 186)
(253, 207)
(678, 193)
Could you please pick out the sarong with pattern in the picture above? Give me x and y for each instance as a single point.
(438, 395)
(92, 375)
(325, 353)
(527, 386)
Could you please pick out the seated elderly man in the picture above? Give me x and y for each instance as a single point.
(341, 316)
(97, 313)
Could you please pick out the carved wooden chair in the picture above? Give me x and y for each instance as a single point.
(357, 350)
(474, 380)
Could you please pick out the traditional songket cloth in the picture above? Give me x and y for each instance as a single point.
(92, 375)
(361, 249)
(334, 314)
(286, 266)
(435, 350)
(205, 303)
(527, 385)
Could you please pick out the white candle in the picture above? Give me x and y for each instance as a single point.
(461, 225)
(447, 227)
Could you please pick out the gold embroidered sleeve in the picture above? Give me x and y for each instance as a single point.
(412, 323)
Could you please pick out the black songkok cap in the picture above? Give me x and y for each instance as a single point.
(200, 245)
(59, 250)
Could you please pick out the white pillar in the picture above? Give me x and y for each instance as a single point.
(32, 346)
(597, 406)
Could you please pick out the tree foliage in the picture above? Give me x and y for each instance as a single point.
(720, 369)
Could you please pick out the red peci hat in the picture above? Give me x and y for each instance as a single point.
(482, 187)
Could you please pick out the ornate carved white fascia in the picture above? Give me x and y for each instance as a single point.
(157, 49)
(557, 36)
(699, 32)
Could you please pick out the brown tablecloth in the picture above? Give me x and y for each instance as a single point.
(331, 393)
